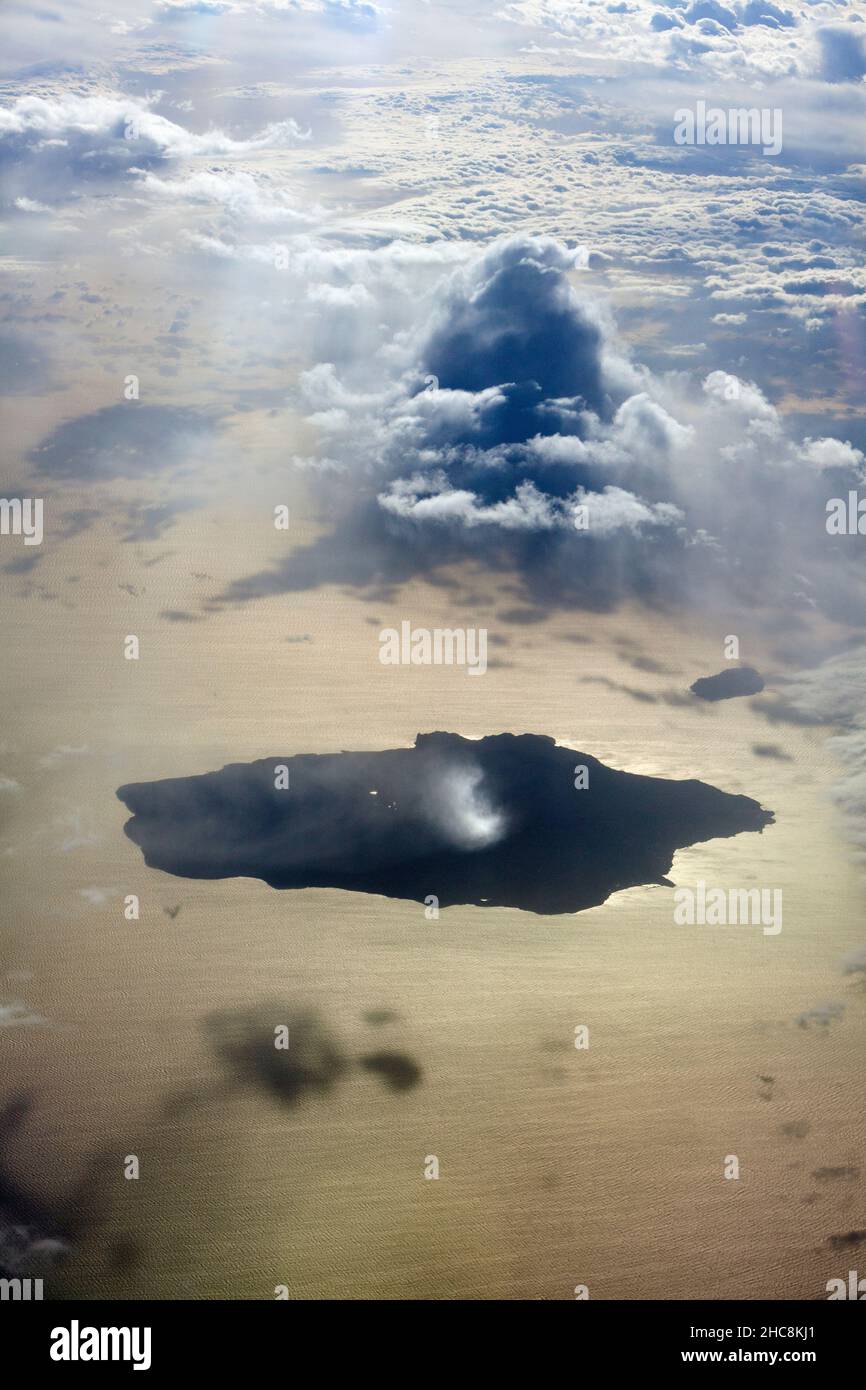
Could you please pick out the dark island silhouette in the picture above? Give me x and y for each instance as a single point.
(495, 822)
(727, 685)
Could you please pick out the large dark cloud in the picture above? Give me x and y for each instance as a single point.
(520, 327)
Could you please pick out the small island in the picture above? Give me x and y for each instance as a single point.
(727, 685)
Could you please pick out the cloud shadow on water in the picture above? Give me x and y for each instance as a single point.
(395, 1069)
(123, 441)
(309, 1061)
(245, 1041)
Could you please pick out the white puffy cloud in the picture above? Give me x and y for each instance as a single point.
(834, 453)
(104, 120)
(743, 397)
(431, 498)
(245, 198)
(57, 147)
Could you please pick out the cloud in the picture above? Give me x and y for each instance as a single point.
(52, 145)
(834, 694)
(355, 16)
(822, 1015)
(754, 37)
(462, 808)
(498, 417)
(511, 319)
(843, 52)
(38, 1232)
(98, 897)
(350, 14)
(854, 963)
(62, 753)
(245, 198)
(104, 126)
(179, 9)
(19, 1015)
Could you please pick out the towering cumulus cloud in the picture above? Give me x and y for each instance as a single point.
(507, 424)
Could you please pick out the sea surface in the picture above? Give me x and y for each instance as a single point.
(558, 1167)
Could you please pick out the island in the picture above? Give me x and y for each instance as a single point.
(727, 685)
(509, 820)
